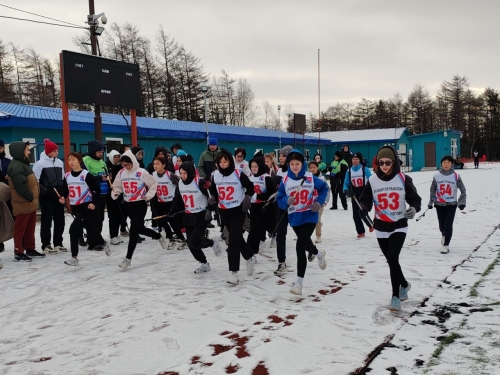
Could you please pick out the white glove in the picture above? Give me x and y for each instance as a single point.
(115, 194)
(410, 213)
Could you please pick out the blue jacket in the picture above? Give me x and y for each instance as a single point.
(298, 218)
(347, 180)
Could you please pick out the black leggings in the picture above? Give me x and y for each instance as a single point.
(446, 216)
(233, 219)
(196, 241)
(391, 248)
(137, 212)
(304, 243)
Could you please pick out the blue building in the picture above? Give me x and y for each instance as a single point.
(31, 123)
(426, 150)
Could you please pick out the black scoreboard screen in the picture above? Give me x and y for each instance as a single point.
(91, 79)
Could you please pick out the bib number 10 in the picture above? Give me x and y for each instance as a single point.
(388, 201)
(225, 193)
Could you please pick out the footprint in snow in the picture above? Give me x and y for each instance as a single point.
(170, 343)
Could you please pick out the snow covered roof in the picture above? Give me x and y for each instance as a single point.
(367, 135)
(4, 114)
(154, 127)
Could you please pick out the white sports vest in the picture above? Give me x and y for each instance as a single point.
(165, 190)
(357, 178)
(79, 191)
(231, 192)
(304, 194)
(134, 187)
(446, 187)
(389, 197)
(194, 200)
(281, 173)
(259, 186)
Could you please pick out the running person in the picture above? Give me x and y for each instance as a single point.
(444, 189)
(296, 195)
(84, 192)
(388, 190)
(138, 187)
(191, 198)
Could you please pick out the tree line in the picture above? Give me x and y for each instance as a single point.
(172, 76)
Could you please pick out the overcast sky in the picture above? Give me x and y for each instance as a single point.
(370, 49)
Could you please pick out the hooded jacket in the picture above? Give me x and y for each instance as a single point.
(169, 167)
(113, 168)
(207, 161)
(299, 218)
(269, 181)
(149, 180)
(321, 165)
(135, 151)
(347, 155)
(50, 175)
(411, 196)
(23, 185)
(96, 166)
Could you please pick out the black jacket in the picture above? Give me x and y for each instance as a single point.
(158, 149)
(269, 181)
(50, 175)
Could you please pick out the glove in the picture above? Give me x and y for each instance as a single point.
(461, 207)
(115, 194)
(247, 203)
(410, 213)
(315, 207)
(430, 206)
(291, 201)
(212, 200)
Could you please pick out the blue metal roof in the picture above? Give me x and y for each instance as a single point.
(147, 126)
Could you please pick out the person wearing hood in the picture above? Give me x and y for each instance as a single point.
(25, 192)
(282, 215)
(138, 187)
(115, 216)
(191, 199)
(4, 178)
(180, 160)
(208, 157)
(162, 152)
(444, 196)
(139, 155)
(296, 195)
(174, 148)
(346, 155)
(232, 191)
(338, 169)
(388, 190)
(94, 162)
(49, 171)
(321, 164)
(262, 213)
(354, 183)
(239, 159)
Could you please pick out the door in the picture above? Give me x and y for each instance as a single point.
(430, 154)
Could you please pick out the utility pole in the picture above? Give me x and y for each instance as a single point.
(93, 43)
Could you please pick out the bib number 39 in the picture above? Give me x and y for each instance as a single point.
(388, 201)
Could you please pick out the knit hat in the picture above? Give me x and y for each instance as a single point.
(358, 155)
(337, 153)
(181, 152)
(286, 150)
(447, 157)
(49, 146)
(387, 153)
(213, 142)
(2, 143)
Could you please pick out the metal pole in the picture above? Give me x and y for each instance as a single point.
(319, 109)
(279, 122)
(206, 123)
(93, 43)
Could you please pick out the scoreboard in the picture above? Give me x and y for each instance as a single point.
(95, 80)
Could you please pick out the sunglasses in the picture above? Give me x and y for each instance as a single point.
(388, 163)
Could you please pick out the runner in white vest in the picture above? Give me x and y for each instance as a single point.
(83, 191)
(444, 195)
(161, 203)
(389, 190)
(191, 200)
(232, 191)
(137, 186)
(262, 215)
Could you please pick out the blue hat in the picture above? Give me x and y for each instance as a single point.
(213, 142)
(181, 152)
(2, 143)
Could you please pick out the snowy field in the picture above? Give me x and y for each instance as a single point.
(158, 317)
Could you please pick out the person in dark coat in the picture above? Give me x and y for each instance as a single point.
(4, 164)
(347, 155)
(163, 152)
(337, 170)
(139, 155)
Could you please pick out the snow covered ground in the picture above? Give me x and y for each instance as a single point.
(158, 317)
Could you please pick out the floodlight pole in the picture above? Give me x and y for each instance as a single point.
(93, 43)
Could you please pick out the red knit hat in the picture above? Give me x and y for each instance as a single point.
(49, 146)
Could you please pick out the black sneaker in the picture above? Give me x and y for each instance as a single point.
(210, 225)
(311, 257)
(82, 243)
(97, 248)
(21, 258)
(2, 247)
(281, 269)
(34, 254)
(333, 208)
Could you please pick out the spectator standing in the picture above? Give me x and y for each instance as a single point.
(207, 158)
(4, 164)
